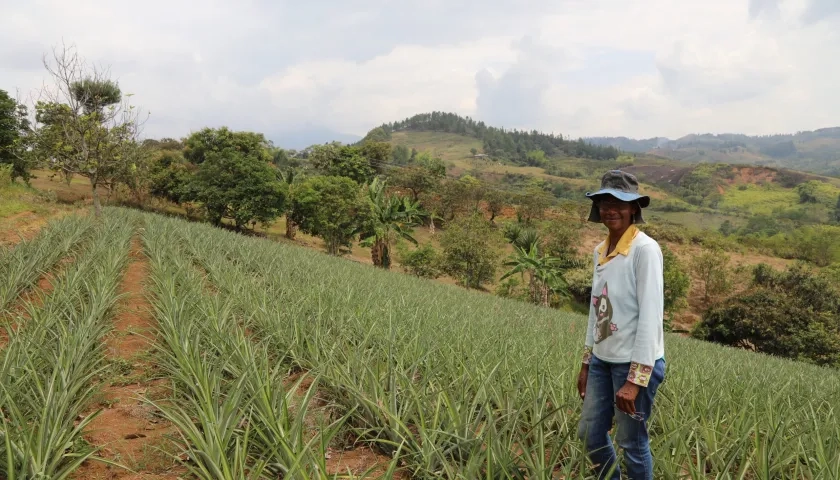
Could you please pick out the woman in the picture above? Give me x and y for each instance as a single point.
(623, 361)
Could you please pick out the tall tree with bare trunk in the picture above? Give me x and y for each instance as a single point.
(84, 124)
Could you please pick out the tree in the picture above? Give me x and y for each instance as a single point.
(391, 217)
(378, 154)
(14, 137)
(837, 211)
(84, 126)
(726, 228)
(230, 184)
(496, 200)
(795, 314)
(460, 197)
(474, 151)
(422, 175)
(342, 161)
(561, 238)
(281, 159)
(289, 176)
(95, 95)
(545, 260)
(545, 275)
(169, 176)
(808, 191)
(134, 172)
(329, 207)
(535, 158)
(711, 268)
(215, 140)
(532, 204)
(401, 155)
(676, 283)
(470, 250)
(816, 243)
(423, 261)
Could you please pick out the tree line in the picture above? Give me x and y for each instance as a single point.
(510, 145)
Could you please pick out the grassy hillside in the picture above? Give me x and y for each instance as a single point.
(706, 195)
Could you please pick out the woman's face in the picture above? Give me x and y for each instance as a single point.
(615, 214)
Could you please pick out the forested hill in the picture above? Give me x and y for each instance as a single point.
(815, 151)
(498, 143)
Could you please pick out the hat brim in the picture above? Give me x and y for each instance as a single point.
(643, 200)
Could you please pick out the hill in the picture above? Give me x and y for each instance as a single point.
(691, 194)
(815, 151)
(511, 145)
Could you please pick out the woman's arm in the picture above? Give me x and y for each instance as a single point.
(589, 341)
(650, 295)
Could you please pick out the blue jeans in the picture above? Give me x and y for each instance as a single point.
(603, 383)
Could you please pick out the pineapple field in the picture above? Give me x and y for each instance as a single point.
(221, 356)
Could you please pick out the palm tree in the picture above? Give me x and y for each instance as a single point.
(545, 272)
(391, 217)
(288, 177)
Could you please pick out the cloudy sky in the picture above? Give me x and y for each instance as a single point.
(304, 72)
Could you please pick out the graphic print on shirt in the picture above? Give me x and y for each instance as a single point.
(603, 315)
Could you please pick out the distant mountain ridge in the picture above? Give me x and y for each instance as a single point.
(816, 151)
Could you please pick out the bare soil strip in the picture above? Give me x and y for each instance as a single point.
(25, 225)
(129, 431)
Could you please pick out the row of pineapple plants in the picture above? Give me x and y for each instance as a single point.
(51, 367)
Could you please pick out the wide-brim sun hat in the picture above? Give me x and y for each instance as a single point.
(622, 186)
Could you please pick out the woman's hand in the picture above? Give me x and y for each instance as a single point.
(581, 381)
(625, 399)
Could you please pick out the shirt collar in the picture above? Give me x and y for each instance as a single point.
(622, 247)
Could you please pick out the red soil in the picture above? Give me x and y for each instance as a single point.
(127, 430)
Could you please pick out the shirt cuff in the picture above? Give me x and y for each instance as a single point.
(587, 355)
(639, 374)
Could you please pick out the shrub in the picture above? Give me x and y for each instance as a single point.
(676, 281)
(6, 174)
(675, 206)
(795, 314)
(560, 237)
(424, 261)
(665, 232)
(470, 251)
(579, 281)
(711, 266)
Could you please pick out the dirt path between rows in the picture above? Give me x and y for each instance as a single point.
(128, 431)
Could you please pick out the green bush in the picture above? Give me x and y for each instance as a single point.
(424, 261)
(579, 281)
(675, 206)
(471, 251)
(5, 174)
(676, 281)
(794, 314)
(665, 232)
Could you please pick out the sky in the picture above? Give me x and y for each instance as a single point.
(321, 70)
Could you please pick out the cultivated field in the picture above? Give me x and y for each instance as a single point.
(276, 361)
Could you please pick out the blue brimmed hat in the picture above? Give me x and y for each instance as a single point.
(623, 186)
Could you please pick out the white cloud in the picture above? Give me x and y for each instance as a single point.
(354, 97)
(577, 67)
